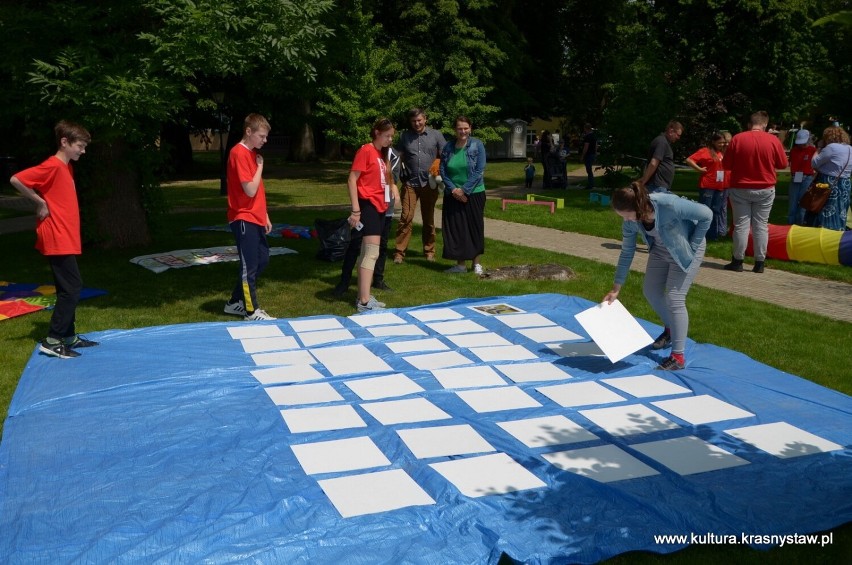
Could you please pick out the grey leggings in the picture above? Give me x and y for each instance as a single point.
(665, 288)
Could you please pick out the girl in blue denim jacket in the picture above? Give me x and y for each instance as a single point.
(674, 228)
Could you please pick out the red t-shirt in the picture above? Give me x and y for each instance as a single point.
(242, 165)
(59, 232)
(712, 179)
(753, 157)
(800, 159)
(373, 182)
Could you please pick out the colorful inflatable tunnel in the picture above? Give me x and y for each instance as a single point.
(814, 245)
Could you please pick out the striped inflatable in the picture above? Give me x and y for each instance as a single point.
(813, 245)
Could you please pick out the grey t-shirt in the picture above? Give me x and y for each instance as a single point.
(661, 150)
(418, 151)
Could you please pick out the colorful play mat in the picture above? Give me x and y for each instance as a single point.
(18, 299)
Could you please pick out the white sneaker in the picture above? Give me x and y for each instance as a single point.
(478, 269)
(235, 308)
(372, 305)
(258, 315)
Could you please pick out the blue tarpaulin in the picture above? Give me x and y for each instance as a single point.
(438, 434)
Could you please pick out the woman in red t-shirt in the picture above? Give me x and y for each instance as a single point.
(713, 181)
(801, 175)
(371, 188)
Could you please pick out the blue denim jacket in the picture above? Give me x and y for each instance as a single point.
(475, 153)
(681, 225)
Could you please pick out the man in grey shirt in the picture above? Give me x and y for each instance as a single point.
(418, 146)
(659, 172)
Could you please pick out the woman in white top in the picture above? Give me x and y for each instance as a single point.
(833, 165)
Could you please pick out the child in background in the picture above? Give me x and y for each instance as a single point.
(801, 175)
(50, 186)
(529, 173)
(248, 217)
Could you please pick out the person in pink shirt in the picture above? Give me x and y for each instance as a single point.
(753, 157)
(50, 186)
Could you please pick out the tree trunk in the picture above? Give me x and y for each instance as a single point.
(304, 148)
(115, 197)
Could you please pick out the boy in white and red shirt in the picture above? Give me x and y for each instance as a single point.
(801, 175)
(248, 217)
(50, 186)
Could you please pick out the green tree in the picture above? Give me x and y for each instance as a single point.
(126, 68)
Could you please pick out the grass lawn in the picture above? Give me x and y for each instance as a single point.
(299, 285)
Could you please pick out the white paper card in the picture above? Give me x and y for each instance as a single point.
(350, 360)
(405, 411)
(629, 420)
(339, 455)
(689, 455)
(580, 394)
(525, 320)
(468, 377)
(783, 440)
(496, 399)
(371, 493)
(310, 339)
(702, 409)
(388, 386)
(322, 418)
(444, 441)
(488, 474)
(249, 331)
(605, 463)
(435, 314)
(720, 176)
(313, 325)
(615, 331)
(292, 395)
(377, 319)
(415, 345)
(496, 309)
(438, 360)
(550, 334)
(646, 386)
(455, 327)
(294, 357)
(478, 340)
(798, 176)
(260, 344)
(533, 372)
(547, 430)
(399, 330)
(286, 374)
(503, 353)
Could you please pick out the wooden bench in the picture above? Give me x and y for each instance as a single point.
(551, 205)
(560, 202)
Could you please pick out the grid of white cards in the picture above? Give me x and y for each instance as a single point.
(609, 429)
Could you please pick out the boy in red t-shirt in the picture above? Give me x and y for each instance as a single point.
(248, 217)
(50, 186)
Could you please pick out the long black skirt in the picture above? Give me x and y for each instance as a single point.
(463, 227)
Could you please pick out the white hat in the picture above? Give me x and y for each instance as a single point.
(802, 136)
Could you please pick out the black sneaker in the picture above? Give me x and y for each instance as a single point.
(663, 341)
(79, 341)
(57, 350)
(382, 285)
(670, 364)
(340, 290)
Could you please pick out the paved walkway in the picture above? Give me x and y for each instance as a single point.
(776, 287)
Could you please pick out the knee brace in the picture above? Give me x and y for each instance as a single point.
(369, 255)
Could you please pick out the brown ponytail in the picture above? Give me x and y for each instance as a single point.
(633, 198)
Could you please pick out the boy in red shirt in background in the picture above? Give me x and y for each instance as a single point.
(801, 175)
(248, 217)
(50, 186)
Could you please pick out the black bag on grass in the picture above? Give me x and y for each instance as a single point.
(333, 238)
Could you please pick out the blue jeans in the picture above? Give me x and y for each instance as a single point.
(796, 215)
(717, 201)
(654, 188)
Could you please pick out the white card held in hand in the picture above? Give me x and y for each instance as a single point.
(614, 330)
